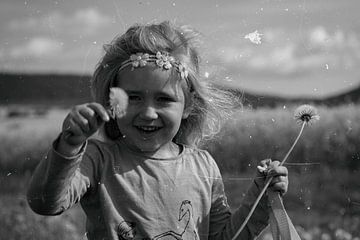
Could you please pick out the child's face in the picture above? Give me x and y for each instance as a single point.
(156, 108)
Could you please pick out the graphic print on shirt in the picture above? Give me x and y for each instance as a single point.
(126, 230)
(185, 217)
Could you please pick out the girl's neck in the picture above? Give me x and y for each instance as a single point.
(172, 151)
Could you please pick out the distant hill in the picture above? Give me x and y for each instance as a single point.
(68, 90)
(255, 100)
(44, 89)
(352, 96)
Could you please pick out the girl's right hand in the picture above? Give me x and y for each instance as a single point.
(81, 123)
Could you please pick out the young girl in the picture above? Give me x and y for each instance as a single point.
(147, 179)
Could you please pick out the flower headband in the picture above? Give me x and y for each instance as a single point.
(161, 59)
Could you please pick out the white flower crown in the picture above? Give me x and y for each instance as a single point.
(161, 59)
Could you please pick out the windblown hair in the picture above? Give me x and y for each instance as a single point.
(209, 105)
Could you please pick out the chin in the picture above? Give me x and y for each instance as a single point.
(150, 148)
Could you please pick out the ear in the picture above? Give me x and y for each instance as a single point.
(186, 112)
(188, 106)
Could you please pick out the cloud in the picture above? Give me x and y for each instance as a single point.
(286, 53)
(91, 16)
(83, 21)
(319, 36)
(41, 54)
(281, 60)
(36, 47)
(91, 19)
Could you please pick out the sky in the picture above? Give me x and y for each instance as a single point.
(301, 47)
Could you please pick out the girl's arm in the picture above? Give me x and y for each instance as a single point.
(64, 176)
(224, 224)
(59, 181)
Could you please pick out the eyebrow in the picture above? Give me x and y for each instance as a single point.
(171, 93)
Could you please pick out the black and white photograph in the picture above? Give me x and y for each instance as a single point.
(179, 119)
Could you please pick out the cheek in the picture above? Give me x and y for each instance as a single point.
(176, 117)
(123, 122)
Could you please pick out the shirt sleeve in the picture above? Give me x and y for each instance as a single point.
(224, 224)
(59, 181)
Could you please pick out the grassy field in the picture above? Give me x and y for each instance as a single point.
(323, 198)
(26, 134)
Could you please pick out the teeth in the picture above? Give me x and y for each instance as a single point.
(148, 128)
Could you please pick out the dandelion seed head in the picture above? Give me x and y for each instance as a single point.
(306, 113)
(118, 102)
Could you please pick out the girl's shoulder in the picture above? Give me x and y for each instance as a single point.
(202, 160)
(193, 149)
(199, 154)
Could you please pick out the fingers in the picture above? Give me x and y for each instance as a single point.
(263, 166)
(279, 184)
(72, 133)
(278, 175)
(274, 169)
(80, 119)
(85, 120)
(100, 111)
(73, 128)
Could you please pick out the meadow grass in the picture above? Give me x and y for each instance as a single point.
(25, 139)
(323, 169)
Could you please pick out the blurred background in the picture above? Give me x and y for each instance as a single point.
(275, 54)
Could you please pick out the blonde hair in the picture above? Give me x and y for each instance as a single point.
(209, 105)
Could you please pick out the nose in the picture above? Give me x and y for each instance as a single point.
(148, 112)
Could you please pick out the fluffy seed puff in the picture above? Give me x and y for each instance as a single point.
(118, 102)
(306, 113)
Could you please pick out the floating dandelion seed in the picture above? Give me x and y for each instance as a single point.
(305, 114)
(118, 102)
(254, 37)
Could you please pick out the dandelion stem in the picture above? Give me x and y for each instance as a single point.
(267, 183)
(295, 142)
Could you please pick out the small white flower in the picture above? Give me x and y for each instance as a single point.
(182, 70)
(164, 60)
(139, 59)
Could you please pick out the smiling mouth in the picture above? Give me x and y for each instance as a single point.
(148, 129)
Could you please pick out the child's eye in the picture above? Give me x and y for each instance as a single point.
(165, 99)
(134, 98)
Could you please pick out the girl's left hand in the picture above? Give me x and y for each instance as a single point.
(280, 179)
